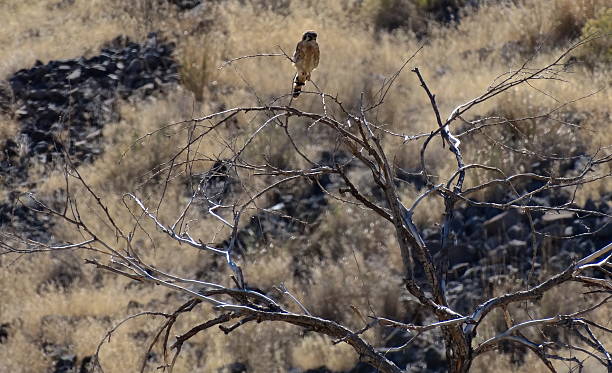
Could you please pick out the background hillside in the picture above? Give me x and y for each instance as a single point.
(91, 78)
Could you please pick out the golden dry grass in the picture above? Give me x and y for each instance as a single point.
(55, 30)
(563, 300)
(8, 128)
(348, 248)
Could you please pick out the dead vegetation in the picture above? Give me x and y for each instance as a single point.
(348, 245)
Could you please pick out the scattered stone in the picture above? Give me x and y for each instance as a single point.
(80, 95)
(63, 274)
(501, 222)
(186, 4)
(290, 208)
(236, 367)
(65, 363)
(435, 360)
(517, 243)
(557, 215)
(4, 333)
(87, 365)
(63, 105)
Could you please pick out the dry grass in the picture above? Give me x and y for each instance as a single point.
(600, 51)
(563, 300)
(314, 351)
(50, 29)
(9, 128)
(347, 248)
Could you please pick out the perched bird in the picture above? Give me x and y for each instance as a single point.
(305, 59)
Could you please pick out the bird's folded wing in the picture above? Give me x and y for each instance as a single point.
(298, 56)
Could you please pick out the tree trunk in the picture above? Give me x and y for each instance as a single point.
(458, 350)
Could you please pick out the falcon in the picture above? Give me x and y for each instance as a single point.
(305, 59)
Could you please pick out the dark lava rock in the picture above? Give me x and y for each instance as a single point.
(87, 365)
(488, 243)
(19, 218)
(236, 367)
(186, 4)
(289, 208)
(319, 370)
(79, 95)
(4, 334)
(64, 274)
(435, 360)
(63, 105)
(65, 363)
(501, 222)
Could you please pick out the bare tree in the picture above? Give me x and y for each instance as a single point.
(424, 276)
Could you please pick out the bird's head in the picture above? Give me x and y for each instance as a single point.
(309, 35)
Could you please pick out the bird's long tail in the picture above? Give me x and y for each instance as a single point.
(298, 82)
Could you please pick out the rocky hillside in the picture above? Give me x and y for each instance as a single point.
(90, 109)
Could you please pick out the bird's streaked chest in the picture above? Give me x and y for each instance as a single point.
(310, 53)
